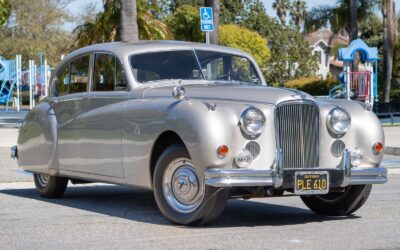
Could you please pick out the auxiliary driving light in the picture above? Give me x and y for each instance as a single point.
(356, 156)
(244, 158)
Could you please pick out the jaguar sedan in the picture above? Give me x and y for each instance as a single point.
(197, 125)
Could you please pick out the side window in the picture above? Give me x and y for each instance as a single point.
(63, 82)
(108, 74)
(120, 78)
(79, 75)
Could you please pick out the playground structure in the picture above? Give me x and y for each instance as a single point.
(14, 80)
(361, 85)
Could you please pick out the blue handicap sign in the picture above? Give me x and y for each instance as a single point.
(207, 20)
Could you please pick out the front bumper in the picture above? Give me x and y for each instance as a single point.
(275, 177)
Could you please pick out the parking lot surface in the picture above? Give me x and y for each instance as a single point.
(99, 216)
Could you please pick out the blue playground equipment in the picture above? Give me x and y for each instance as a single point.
(9, 79)
(361, 85)
(12, 78)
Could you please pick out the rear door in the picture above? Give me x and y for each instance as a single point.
(68, 104)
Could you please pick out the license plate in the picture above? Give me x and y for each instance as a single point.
(311, 182)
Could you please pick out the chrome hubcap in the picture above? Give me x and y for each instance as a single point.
(43, 179)
(183, 189)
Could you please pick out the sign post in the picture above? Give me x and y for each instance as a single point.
(207, 21)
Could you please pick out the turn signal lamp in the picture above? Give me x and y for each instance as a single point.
(222, 151)
(378, 147)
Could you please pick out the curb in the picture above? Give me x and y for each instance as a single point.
(392, 150)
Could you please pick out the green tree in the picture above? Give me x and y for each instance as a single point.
(282, 8)
(185, 24)
(298, 12)
(36, 28)
(339, 15)
(4, 11)
(249, 41)
(106, 27)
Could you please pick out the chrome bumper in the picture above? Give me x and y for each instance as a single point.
(274, 176)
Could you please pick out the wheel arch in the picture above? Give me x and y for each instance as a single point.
(163, 141)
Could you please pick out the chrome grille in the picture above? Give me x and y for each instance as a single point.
(297, 134)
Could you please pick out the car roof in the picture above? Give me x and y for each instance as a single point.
(122, 48)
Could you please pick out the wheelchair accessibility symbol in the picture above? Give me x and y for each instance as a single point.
(206, 16)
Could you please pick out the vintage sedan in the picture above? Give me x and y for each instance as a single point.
(197, 125)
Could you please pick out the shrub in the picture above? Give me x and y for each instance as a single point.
(313, 85)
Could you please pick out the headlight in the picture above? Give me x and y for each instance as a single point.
(252, 121)
(338, 121)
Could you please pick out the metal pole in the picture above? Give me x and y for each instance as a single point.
(30, 84)
(34, 77)
(46, 78)
(207, 37)
(18, 78)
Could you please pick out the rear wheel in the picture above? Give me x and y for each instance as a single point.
(339, 203)
(50, 186)
(180, 192)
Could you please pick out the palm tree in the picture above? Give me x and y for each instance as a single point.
(282, 7)
(339, 16)
(215, 5)
(389, 38)
(298, 12)
(106, 27)
(129, 24)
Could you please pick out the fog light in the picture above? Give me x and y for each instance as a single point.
(222, 151)
(244, 158)
(378, 147)
(356, 157)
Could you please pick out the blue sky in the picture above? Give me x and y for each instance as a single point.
(78, 5)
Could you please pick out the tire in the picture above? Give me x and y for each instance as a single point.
(50, 186)
(204, 204)
(338, 204)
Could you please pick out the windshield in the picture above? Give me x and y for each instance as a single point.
(193, 65)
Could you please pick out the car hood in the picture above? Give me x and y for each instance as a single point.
(246, 93)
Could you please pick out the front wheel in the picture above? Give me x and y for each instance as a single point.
(180, 192)
(50, 186)
(339, 203)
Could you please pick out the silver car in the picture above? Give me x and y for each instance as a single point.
(197, 124)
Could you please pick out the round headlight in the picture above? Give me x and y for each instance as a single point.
(252, 121)
(338, 121)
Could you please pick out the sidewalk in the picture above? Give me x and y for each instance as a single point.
(392, 140)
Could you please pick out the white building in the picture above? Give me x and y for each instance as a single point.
(321, 42)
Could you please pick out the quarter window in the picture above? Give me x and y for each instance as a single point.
(79, 75)
(108, 73)
(63, 82)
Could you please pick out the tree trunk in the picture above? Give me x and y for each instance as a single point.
(389, 36)
(215, 5)
(354, 31)
(129, 27)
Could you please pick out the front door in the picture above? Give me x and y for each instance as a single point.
(100, 128)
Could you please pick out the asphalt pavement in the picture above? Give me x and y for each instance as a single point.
(113, 217)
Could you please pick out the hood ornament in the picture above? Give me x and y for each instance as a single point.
(178, 92)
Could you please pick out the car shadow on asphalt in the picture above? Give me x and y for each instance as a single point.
(139, 205)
